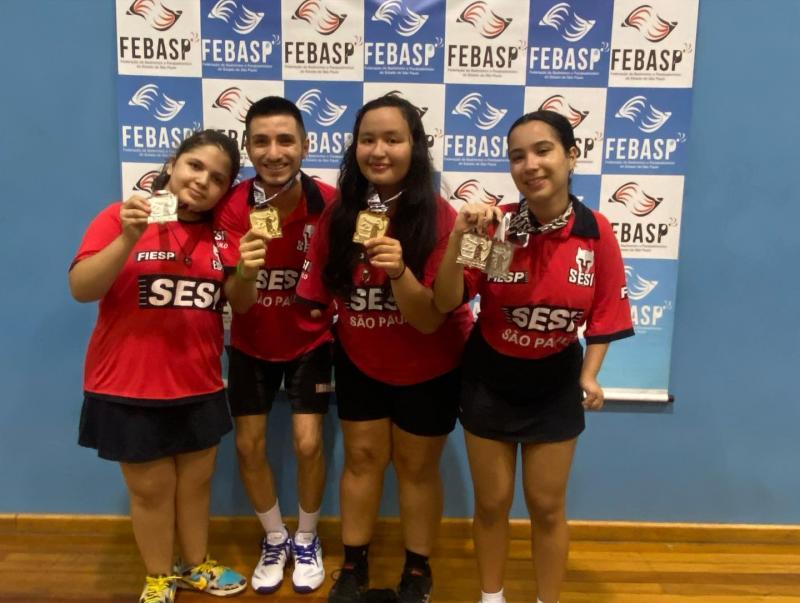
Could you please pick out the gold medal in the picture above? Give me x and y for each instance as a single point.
(369, 225)
(474, 250)
(266, 221)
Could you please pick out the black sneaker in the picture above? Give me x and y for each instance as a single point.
(415, 586)
(349, 586)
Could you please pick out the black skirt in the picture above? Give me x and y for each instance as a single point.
(134, 434)
(518, 399)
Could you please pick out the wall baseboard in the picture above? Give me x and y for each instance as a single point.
(388, 529)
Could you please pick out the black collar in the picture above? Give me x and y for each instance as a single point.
(585, 224)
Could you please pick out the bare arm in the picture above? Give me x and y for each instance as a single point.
(592, 363)
(414, 299)
(91, 278)
(240, 287)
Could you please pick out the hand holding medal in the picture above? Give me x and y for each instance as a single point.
(134, 215)
(252, 254)
(264, 218)
(472, 223)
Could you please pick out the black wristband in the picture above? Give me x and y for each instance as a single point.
(402, 272)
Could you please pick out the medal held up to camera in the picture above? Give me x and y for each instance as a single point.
(492, 256)
(373, 221)
(163, 207)
(265, 219)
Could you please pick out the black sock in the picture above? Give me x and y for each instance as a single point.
(355, 558)
(418, 562)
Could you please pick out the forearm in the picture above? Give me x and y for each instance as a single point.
(241, 290)
(448, 290)
(91, 278)
(415, 302)
(593, 360)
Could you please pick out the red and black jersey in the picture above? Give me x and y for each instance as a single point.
(158, 337)
(275, 328)
(561, 281)
(371, 328)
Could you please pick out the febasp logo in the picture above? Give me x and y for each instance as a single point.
(319, 16)
(238, 16)
(234, 101)
(481, 112)
(560, 104)
(645, 116)
(638, 286)
(635, 199)
(145, 182)
(400, 17)
(156, 103)
(323, 111)
(471, 191)
(156, 15)
(653, 27)
(488, 24)
(569, 24)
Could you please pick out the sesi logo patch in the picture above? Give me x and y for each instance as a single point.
(543, 319)
(169, 291)
(583, 275)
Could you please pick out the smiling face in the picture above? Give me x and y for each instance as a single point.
(276, 146)
(383, 150)
(200, 177)
(540, 166)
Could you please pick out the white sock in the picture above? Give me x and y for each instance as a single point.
(273, 521)
(493, 597)
(306, 525)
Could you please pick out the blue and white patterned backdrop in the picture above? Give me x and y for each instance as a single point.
(620, 70)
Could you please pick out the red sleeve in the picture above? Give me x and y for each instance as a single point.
(311, 288)
(231, 222)
(473, 282)
(445, 219)
(106, 227)
(609, 317)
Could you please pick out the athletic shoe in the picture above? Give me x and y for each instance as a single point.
(159, 589)
(415, 586)
(309, 573)
(349, 586)
(276, 549)
(212, 578)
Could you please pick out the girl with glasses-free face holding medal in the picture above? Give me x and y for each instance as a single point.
(526, 380)
(153, 392)
(396, 357)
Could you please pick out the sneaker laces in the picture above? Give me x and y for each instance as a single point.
(306, 554)
(271, 553)
(208, 566)
(155, 587)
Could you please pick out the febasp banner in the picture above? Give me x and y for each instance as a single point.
(620, 70)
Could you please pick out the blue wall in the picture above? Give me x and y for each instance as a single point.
(724, 452)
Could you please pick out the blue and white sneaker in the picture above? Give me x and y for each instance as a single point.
(309, 573)
(276, 549)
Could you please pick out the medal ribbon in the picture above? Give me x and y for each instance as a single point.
(260, 199)
(376, 206)
(521, 226)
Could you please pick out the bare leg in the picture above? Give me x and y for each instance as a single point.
(310, 460)
(192, 502)
(493, 465)
(251, 448)
(545, 474)
(416, 461)
(367, 448)
(152, 487)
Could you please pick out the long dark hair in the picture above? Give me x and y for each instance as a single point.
(414, 221)
(201, 139)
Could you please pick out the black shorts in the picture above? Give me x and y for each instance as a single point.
(425, 409)
(137, 434)
(253, 383)
(521, 400)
